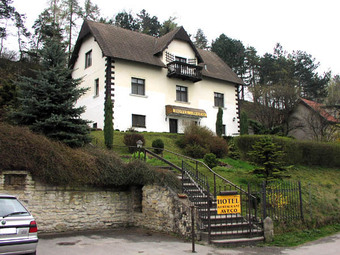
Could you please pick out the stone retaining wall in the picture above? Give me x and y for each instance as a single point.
(164, 211)
(59, 209)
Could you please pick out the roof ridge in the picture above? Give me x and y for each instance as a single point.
(121, 28)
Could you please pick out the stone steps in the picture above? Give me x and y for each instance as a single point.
(238, 241)
(230, 229)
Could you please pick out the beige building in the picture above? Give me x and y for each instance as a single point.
(312, 121)
(156, 84)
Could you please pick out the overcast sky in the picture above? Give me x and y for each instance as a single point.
(309, 25)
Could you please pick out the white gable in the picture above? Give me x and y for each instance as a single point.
(180, 49)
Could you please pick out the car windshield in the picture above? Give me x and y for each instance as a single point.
(11, 207)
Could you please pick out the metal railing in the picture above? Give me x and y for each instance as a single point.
(182, 70)
(202, 185)
(280, 200)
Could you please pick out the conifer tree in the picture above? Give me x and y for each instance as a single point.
(269, 157)
(219, 122)
(108, 125)
(48, 100)
(244, 123)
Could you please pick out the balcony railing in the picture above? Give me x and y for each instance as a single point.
(180, 70)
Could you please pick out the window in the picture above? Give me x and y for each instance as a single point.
(96, 87)
(137, 86)
(138, 120)
(15, 181)
(223, 129)
(180, 59)
(88, 59)
(219, 99)
(181, 93)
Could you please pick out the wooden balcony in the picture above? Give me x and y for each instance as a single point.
(184, 71)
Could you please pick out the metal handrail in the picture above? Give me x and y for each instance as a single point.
(185, 64)
(196, 161)
(210, 170)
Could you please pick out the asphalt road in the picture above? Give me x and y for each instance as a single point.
(143, 242)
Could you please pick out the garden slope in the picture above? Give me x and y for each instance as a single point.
(55, 163)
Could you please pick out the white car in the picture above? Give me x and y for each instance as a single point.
(18, 229)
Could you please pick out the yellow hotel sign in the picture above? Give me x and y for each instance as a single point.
(189, 112)
(178, 110)
(228, 204)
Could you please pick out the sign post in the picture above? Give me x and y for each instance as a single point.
(228, 202)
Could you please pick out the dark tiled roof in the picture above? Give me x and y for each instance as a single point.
(217, 68)
(125, 44)
(165, 40)
(319, 108)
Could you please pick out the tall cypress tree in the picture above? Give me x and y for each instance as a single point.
(244, 123)
(108, 124)
(48, 101)
(219, 122)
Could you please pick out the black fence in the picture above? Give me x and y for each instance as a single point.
(280, 200)
(221, 225)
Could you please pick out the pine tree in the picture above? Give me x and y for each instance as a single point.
(219, 122)
(108, 125)
(269, 156)
(200, 40)
(48, 101)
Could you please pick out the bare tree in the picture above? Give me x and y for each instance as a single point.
(273, 105)
(312, 124)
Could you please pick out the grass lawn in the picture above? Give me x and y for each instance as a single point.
(298, 236)
(320, 188)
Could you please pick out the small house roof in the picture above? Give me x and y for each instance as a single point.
(320, 109)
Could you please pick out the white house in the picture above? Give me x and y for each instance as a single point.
(156, 84)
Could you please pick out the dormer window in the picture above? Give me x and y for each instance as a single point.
(180, 59)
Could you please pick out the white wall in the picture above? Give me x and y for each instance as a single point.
(94, 105)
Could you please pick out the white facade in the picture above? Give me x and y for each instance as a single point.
(160, 91)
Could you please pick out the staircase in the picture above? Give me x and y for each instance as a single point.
(244, 228)
(221, 229)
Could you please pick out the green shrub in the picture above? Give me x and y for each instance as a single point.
(218, 146)
(195, 151)
(158, 146)
(268, 155)
(296, 152)
(131, 139)
(233, 151)
(210, 160)
(138, 155)
(194, 134)
(197, 141)
(57, 164)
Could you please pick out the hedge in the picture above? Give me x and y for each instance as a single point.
(296, 152)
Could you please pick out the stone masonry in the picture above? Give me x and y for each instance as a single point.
(59, 209)
(164, 211)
